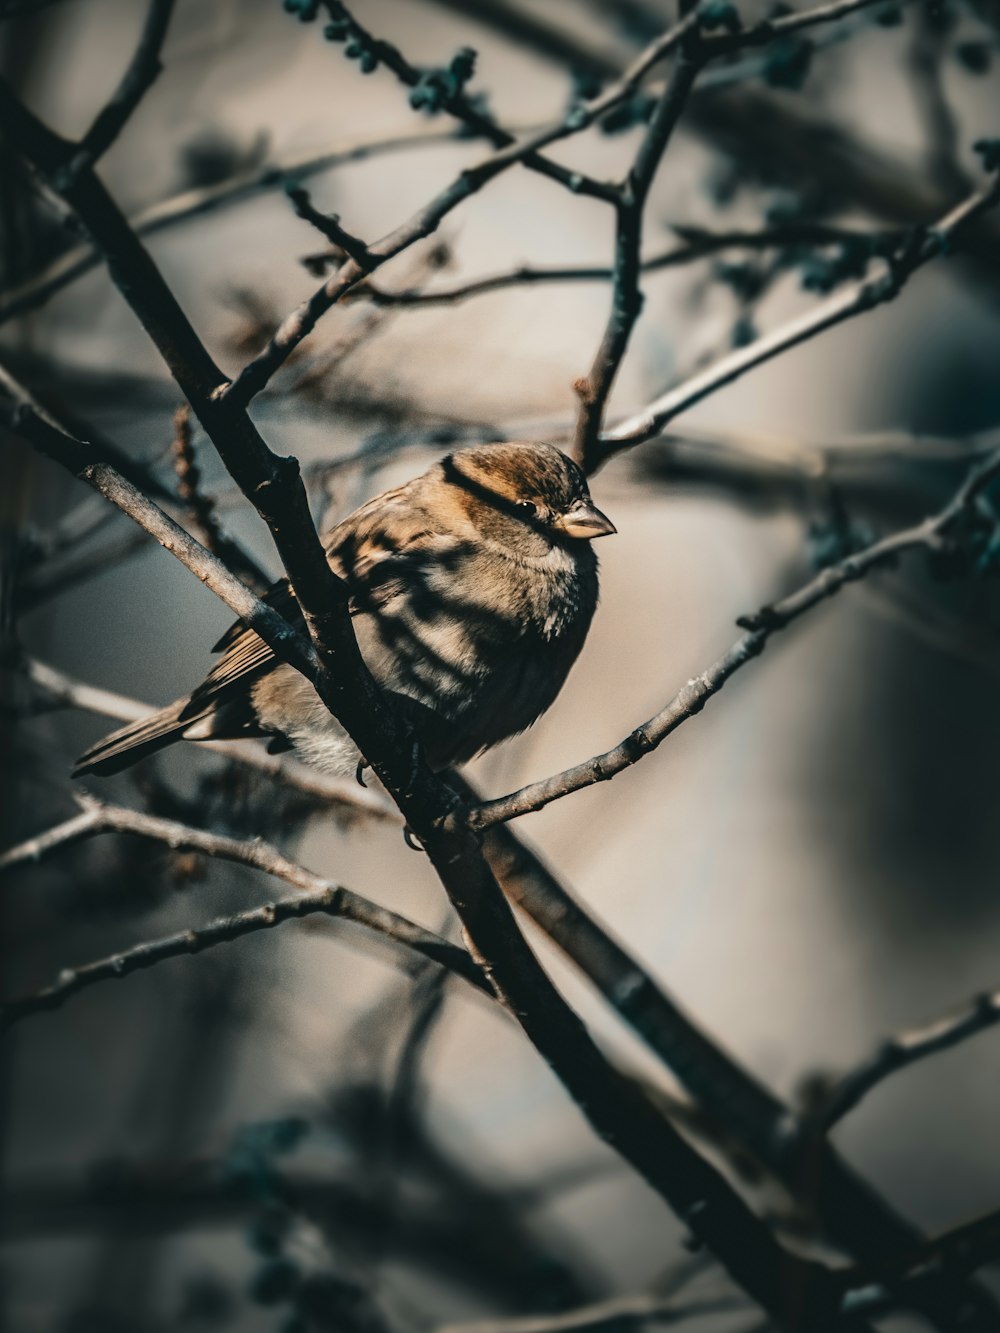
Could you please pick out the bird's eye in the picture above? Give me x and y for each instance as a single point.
(528, 506)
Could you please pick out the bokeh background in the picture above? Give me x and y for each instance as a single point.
(807, 866)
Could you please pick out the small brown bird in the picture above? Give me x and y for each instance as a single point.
(472, 590)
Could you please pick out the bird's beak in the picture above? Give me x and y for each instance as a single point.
(584, 520)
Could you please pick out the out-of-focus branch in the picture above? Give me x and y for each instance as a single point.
(724, 43)
(62, 690)
(857, 299)
(200, 508)
(333, 901)
(206, 199)
(453, 100)
(930, 535)
(847, 1209)
(272, 483)
(793, 1290)
(963, 1249)
(699, 243)
(901, 1051)
(538, 34)
(136, 81)
(97, 817)
(425, 221)
(927, 57)
(616, 1108)
(748, 122)
(296, 326)
(83, 462)
(621, 1312)
(853, 1215)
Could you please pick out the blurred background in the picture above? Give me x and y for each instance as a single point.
(807, 866)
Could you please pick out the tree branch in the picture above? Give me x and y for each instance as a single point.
(332, 901)
(203, 200)
(458, 105)
(61, 690)
(425, 221)
(855, 300)
(699, 244)
(85, 463)
(328, 224)
(899, 1052)
(594, 388)
(143, 70)
(201, 508)
(318, 895)
(692, 698)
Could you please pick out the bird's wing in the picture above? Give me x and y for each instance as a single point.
(369, 549)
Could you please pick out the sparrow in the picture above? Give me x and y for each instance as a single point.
(472, 588)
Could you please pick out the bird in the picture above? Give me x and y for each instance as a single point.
(472, 588)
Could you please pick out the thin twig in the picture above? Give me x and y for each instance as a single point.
(97, 817)
(201, 507)
(425, 221)
(333, 901)
(620, 1312)
(459, 106)
(857, 299)
(83, 462)
(62, 689)
(205, 199)
(700, 243)
(594, 388)
(899, 1052)
(136, 81)
(296, 326)
(328, 224)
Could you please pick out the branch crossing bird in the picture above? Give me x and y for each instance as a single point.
(472, 588)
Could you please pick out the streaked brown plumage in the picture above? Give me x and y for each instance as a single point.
(472, 590)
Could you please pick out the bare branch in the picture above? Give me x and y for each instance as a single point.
(331, 901)
(458, 105)
(201, 508)
(300, 323)
(901, 1051)
(700, 243)
(619, 1313)
(847, 1208)
(136, 81)
(320, 895)
(82, 461)
(855, 300)
(328, 224)
(724, 43)
(594, 388)
(760, 626)
(342, 792)
(206, 199)
(616, 1109)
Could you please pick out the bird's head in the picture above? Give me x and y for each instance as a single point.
(535, 485)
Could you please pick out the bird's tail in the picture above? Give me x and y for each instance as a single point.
(137, 740)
